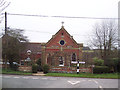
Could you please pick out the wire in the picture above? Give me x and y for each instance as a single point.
(53, 33)
(58, 16)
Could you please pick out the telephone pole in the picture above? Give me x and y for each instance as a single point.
(5, 23)
(6, 38)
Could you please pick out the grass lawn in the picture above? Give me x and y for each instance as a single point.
(86, 75)
(9, 71)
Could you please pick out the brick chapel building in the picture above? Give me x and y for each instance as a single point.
(61, 52)
(61, 49)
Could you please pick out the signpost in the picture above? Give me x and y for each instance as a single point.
(78, 62)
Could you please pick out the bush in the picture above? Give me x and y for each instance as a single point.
(34, 68)
(98, 62)
(101, 69)
(39, 65)
(113, 63)
(45, 68)
(15, 67)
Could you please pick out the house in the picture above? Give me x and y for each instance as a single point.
(61, 53)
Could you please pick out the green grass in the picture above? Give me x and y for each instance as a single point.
(9, 71)
(85, 75)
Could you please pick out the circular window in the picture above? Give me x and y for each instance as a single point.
(62, 42)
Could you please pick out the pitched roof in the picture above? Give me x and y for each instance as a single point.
(34, 47)
(86, 48)
(62, 28)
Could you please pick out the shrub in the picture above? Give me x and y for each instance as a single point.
(45, 68)
(101, 69)
(34, 68)
(15, 67)
(39, 65)
(113, 63)
(98, 62)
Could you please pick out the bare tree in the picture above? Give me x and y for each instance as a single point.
(3, 5)
(105, 37)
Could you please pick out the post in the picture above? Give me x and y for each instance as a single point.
(6, 38)
(5, 23)
(78, 67)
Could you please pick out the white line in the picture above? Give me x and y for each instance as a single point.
(100, 86)
(74, 82)
(83, 80)
(89, 80)
(35, 78)
(7, 77)
(44, 78)
(16, 77)
(25, 77)
(53, 79)
(95, 81)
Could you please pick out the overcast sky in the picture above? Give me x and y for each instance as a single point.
(41, 29)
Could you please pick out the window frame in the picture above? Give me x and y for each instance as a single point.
(73, 61)
(62, 61)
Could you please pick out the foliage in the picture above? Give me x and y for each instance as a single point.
(12, 45)
(45, 68)
(101, 69)
(113, 63)
(105, 38)
(15, 67)
(39, 64)
(10, 71)
(85, 75)
(34, 68)
(98, 62)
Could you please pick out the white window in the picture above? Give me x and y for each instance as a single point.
(61, 61)
(74, 58)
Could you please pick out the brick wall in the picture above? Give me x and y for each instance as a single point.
(70, 69)
(25, 68)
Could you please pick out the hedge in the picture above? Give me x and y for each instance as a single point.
(45, 68)
(34, 68)
(101, 69)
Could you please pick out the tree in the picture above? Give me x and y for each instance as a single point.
(105, 37)
(13, 42)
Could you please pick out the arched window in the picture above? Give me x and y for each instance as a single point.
(74, 57)
(61, 63)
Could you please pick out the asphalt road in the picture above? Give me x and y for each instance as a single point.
(17, 81)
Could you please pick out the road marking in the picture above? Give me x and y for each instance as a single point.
(25, 77)
(74, 82)
(53, 79)
(83, 80)
(0, 76)
(35, 78)
(16, 77)
(89, 80)
(44, 78)
(7, 77)
(95, 81)
(101, 88)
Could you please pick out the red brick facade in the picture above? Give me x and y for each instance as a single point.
(61, 50)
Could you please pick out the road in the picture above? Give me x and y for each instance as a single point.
(17, 81)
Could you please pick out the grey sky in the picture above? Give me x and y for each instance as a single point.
(41, 29)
